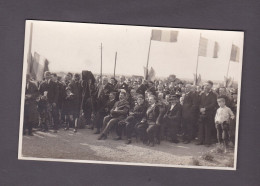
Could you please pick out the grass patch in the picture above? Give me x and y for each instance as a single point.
(207, 156)
(194, 161)
(230, 162)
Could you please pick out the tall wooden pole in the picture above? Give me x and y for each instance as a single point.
(115, 65)
(146, 76)
(101, 64)
(29, 55)
(196, 76)
(229, 61)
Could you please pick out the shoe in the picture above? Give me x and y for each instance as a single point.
(102, 136)
(186, 142)
(66, 128)
(97, 132)
(55, 131)
(30, 134)
(75, 130)
(175, 141)
(117, 138)
(207, 145)
(199, 143)
(128, 142)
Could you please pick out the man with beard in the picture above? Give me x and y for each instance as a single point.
(207, 107)
(117, 113)
(189, 111)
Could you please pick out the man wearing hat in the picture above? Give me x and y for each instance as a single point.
(207, 108)
(172, 118)
(133, 118)
(117, 113)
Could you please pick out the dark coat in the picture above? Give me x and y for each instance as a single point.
(174, 115)
(190, 106)
(122, 109)
(141, 89)
(209, 102)
(53, 90)
(152, 115)
(139, 111)
(30, 106)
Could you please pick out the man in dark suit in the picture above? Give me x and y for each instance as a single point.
(207, 107)
(103, 110)
(189, 112)
(76, 89)
(149, 127)
(134, 117)
(117, 113)
(31, 93)
(51, 87)
(172, 118)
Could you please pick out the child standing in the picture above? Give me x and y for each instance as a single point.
(222, 121)
(69, 107)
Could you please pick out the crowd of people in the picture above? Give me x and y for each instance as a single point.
(150, 111)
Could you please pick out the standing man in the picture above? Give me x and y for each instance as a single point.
(76, 89)
(207, 107)
(31, 92)
(53, 98)
(189, 111)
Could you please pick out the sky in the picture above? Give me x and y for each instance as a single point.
(73, 47)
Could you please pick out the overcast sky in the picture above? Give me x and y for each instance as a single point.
(76, 46)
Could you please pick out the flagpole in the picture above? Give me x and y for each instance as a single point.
(101, 64)
(115, 65)
(229, 61)
(29, 55)
(196, 76)
(148, 57)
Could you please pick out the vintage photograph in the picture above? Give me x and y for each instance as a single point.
(130, 95)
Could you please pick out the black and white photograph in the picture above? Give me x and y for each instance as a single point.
(130, 95)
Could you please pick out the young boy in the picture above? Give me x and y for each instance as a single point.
(42, 108)
(222, 120)
(69, 107)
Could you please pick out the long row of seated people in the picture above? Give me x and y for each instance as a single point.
(149, 111)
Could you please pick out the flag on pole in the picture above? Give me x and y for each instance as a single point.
(164, 35)
(208, 48)
(151, 75)
(39, 65)
(234, 56)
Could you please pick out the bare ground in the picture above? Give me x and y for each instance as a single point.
(84, 145)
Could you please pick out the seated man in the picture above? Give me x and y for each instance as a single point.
(117, 113)
(149, 127)
(133, 118)
(172, 118)
(103, 111)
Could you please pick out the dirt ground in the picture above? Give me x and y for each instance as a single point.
(84, 145)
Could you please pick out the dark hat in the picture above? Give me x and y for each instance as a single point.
(174, 96)
(140, 96)
(210, 82)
